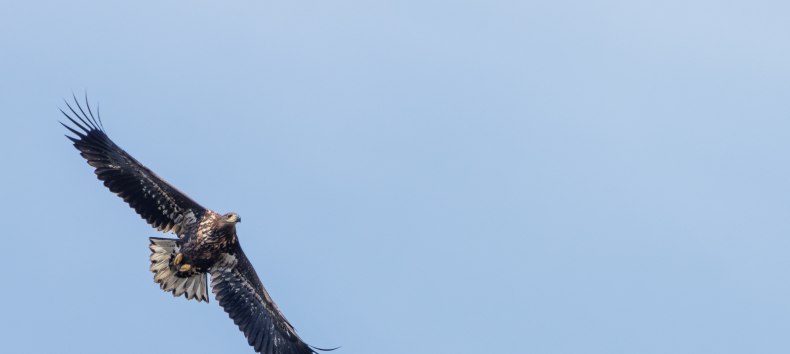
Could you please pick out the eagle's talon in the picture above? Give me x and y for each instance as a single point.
(184, 268)
(179, 258)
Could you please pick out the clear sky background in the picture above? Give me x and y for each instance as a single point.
(414, 176)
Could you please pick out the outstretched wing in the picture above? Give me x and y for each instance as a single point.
(240, 292)
(160, 204)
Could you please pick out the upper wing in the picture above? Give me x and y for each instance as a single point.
(160, 204)
(240, 292)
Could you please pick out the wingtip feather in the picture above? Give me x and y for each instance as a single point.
(325, 349)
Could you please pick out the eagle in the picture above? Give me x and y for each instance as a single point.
(207, 243)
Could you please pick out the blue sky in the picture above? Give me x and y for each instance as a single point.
(414, 176)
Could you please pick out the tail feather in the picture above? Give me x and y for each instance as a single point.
(192, 285)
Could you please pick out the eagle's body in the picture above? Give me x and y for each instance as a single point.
(212, 235)
(207, 243)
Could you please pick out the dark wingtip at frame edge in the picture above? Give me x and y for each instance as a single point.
(324, 349)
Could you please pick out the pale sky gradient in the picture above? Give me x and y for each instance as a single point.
(580, 177)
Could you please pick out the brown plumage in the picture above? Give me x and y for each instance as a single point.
(206, 244)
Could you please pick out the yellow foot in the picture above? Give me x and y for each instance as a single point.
(179, 258)
(185, 268)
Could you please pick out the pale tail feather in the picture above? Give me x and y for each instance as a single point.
(165, 273)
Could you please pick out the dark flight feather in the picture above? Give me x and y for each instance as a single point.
(240, 292)
(160, 204)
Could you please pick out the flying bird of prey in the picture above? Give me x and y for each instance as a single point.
(206, 245)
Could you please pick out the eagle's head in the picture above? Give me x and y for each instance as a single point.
(232, 218)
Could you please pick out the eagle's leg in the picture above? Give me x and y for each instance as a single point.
(177, 261)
